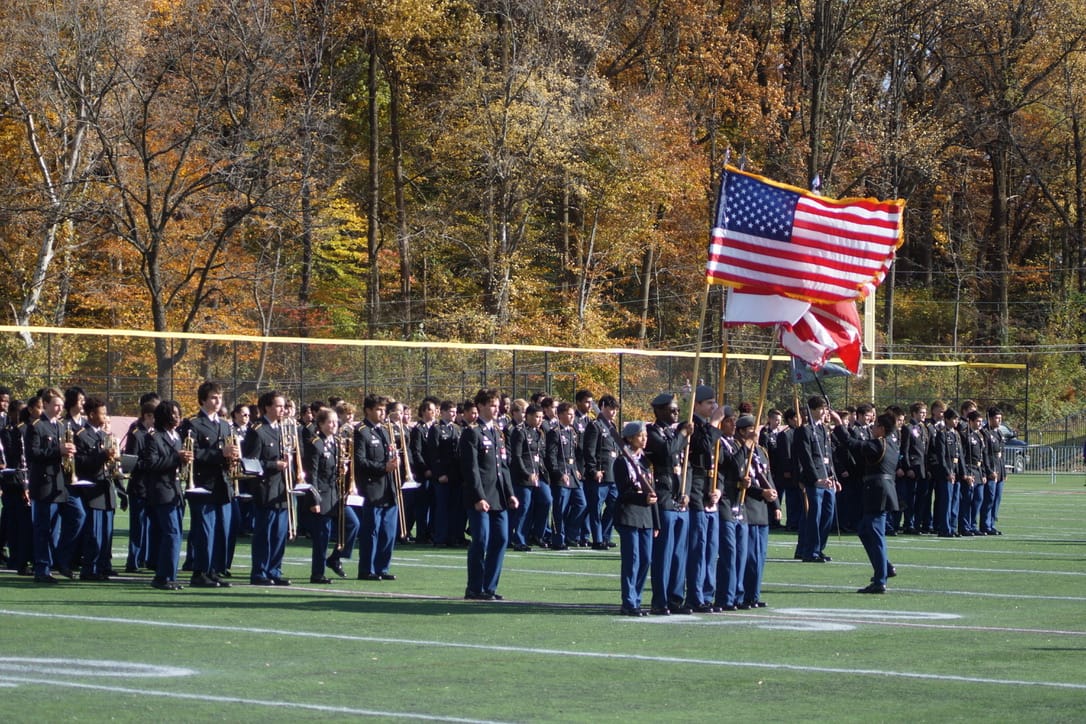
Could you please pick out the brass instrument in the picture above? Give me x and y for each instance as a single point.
(115, 470)
(289, 437)
(409, 482)
(397, 478)
(343, 486)
(67, 464)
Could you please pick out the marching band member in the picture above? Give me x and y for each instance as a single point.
(161, 458)
(92, 457)
(210, 511)
(569, 505)
(488, 496)
(16, 497)
(325, 501)
(636, 515)
(139, 520)
(444, 441)
(46, 450)
(374, 462)
(264, 442)
(421, 469)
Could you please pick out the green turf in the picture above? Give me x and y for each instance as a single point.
(972, 629)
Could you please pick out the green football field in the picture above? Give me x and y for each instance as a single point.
(972, 629)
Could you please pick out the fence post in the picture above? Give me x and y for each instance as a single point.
(513, 374)
(621, 387)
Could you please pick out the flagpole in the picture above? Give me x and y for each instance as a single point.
(694, 396)
(761, 405)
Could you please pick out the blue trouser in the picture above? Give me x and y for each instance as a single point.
(542, 502)
(636, 552)
(232, 531)
(168, 519)
(792, 500)
(731, 564)
(376, 538)
(922, 504)
(569, 513)
(965, 504)
(757, 548)
(269, 542)
(601, 499)
(138, 531)
(906, 495)
(53, 544)
(669, 560)
(97, 541)
(489, 537)
(320, 531)
(701, 558)
(997, 500)
(203, 516)
(818, 522)
(520, 519)
(873, 535)
(945, 504)
(988, 505)
(975, 505)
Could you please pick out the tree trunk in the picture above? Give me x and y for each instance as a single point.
(373, 219)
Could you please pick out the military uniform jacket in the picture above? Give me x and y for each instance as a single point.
(664, 453)
(914, 448)
(702, 448)
(372, 451)
(484, 467)
(756, 509)
(993, 453)
(974, 455)
(526, 450)
(158, 464)
(812, 452)
(209, 466)
(321, 461)
(728, 476)
(946, 454)
(417, 442)
(444, 447)
(133, 444)
(879, 458)
(90, 464)
(601, 446)
(264, 443)
(634, 482)
(779, 446)
(43, 455)
(562, 457)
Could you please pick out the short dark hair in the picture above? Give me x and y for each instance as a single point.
(267, 399)
(817, 402)
(164, 414)
(563, 407)
(887, 421)
(372, 401)
(483, 397)
(207, 389)
(609, 401)
(91, 404)
(993, 411)
(149, 397)
(581, 395)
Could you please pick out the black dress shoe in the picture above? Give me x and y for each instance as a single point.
(993, 531)
(201, 580)
(217, 578)
(599, 546)
(660, 612)
(336, 566)
(66, 572)
(635, 612)
(704, 608)
(683, 610)
(166, 585)
(478, 596)
(758, 604)
(320, 579)
(493, 596)
(814, 559)
(873, 588)
(131, 569)
(224, 574)
(519, 548)
(612, 544)
(825, 558)
(387, 577)
(559, 548)
(891, 571)
(744, 607)
(278, 581)
(45, 579)
(369, 576)
(261, 582)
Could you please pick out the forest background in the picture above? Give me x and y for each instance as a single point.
(533, 171)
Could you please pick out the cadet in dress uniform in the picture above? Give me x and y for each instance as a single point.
(947, 472)
(879, 456)
(913, 483)
(139, 520)
(210, 512)
(375, 460)
(732, 560)
(16, 494)
(565, 477)
(601, 448)
(636, 516)
(325, 502)
(161, 458)
(666, 443)
(46, 449)
(264, 442)
(421, 462)
(583, 404)
(760, 506)
(812, 452)
(93, 455)
(448, 511)
(997, 474)
(704, 541)
(527, 447)
(488, 496)
(976, 473)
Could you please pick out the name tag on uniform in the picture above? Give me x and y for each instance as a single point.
(535, 458)
(569, 461)
(487, 443)
(825, 461)
(375, 441)
(614, 455)
(955, 461)
(676, 470)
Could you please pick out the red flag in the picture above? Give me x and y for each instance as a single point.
(824, 331)
(774, 238)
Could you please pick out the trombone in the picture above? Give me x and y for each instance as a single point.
(397, 479)
(343, 487)
(290, 441)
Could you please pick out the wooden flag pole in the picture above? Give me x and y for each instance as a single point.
(694, 396)
(761, 405)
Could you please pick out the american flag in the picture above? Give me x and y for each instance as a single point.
(773, 238)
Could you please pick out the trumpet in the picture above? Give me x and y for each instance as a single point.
(67, 464)
(235, 464)
(114, 467)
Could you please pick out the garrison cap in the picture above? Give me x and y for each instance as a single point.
(663, 399)
(703, 393)
(744, 421)
(633, 428)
